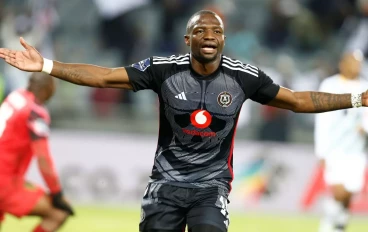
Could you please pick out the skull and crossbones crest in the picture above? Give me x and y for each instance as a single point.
(224, 99)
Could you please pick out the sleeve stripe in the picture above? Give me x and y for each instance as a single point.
(240, 69)
(170, 62)
(171, 58)
(239, 63)
(234, 62)
(247, 66)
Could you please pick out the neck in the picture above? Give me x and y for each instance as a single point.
(37, 97)
(347, 78)
(38, 101)
(205, 69)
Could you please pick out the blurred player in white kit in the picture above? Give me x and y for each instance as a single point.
(340, 142)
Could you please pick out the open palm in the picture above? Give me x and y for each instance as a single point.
(28, 60)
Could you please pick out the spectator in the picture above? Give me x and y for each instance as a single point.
(117, 28)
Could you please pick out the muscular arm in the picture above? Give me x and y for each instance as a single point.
(30, 60)
(310, 102)
(45, 164)
(91, 75)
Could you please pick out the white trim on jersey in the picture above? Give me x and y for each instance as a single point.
(170, 62)
(17, 100)
(170, 58)
(240, 69)
(237, 65)
(181, 96)
(254, 68)
(184, 59)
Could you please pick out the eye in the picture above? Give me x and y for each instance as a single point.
(200, 31)
(218, 32)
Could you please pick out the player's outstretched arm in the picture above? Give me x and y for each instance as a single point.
(316, 102)
(30, 60)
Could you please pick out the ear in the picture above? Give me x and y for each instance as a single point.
(187, 40)
(224, 40)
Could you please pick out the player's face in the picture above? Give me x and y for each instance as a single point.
(206, 38)
(350, 67)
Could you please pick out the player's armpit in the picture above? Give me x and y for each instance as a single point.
(310, 102)
(92, 75)
(118, 78)
(285, 99)
(41, 149)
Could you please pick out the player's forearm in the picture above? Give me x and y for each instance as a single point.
(49, 174)
(81, 74)
(46, 165)
(317, 102)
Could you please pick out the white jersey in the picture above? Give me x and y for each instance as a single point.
(337, 132)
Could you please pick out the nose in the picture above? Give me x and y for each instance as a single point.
(209, 35)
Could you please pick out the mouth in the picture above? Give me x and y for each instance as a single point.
(209, 48)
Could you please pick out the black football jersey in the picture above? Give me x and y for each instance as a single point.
(198, 116)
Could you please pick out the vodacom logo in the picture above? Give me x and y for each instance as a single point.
(201, 119)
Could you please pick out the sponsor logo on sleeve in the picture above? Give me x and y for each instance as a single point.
(142, 65)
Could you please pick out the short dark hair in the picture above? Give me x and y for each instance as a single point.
(39, 80)
(201, 12)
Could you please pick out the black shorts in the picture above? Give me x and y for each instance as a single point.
(167, 207)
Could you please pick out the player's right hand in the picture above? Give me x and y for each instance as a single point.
(29, 60)
(59, 202)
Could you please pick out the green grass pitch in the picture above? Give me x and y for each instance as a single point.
(98, 219)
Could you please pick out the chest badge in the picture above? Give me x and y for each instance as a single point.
(224, 99)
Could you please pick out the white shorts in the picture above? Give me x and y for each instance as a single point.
(348, 170)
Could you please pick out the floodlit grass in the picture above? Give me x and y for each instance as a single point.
(98, 219)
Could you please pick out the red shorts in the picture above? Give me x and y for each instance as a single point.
(19, 199)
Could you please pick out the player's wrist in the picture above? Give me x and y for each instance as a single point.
(356, 100)
(56, 194)
(47, 66)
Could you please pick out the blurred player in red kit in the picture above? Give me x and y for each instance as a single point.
(24, 131)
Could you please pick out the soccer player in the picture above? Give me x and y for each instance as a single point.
(200, 95)
(24, 131)
(340, 143)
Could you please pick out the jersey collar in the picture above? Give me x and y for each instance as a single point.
(205, 78)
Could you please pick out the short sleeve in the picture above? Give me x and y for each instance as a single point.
(39, 127)
(265, 88)
(141, 75)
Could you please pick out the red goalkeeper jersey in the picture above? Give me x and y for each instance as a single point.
(22, 121)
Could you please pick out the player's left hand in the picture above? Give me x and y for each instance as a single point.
(59, 202)
(29, 60)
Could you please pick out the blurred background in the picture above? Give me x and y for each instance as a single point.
(297, 43)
